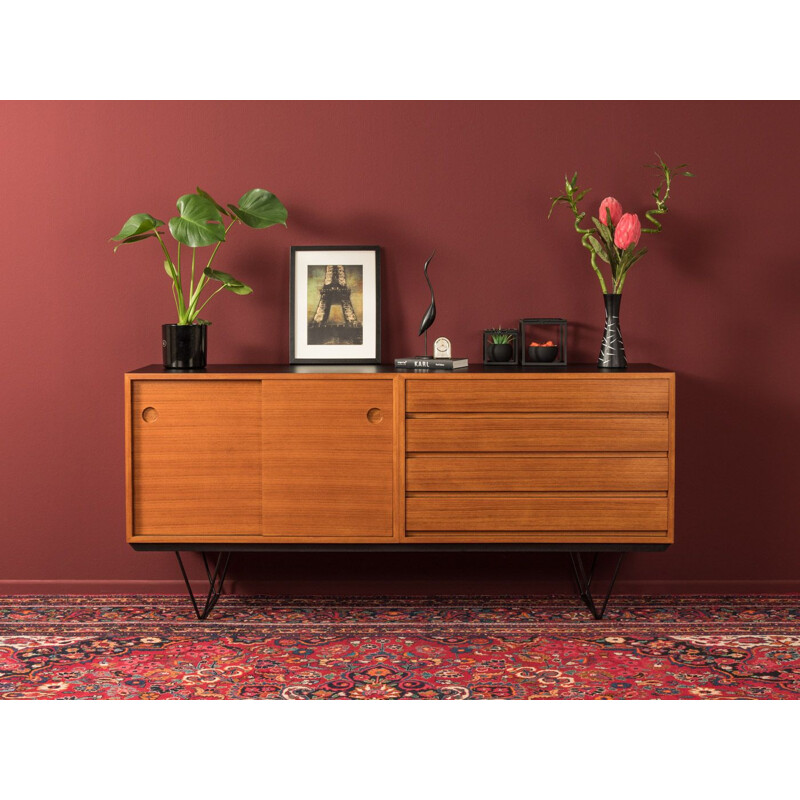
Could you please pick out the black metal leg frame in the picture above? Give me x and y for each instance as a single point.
(584, 581)
(215, 582)
(583, 577)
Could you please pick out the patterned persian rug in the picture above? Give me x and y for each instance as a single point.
(152, 647)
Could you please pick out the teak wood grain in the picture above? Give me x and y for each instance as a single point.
(328, 461)
(504, 472)
(399, 502)
(196, 464)
(518, 512)
(253, 455)
(503, 394)
(539, 537)
(498, 433)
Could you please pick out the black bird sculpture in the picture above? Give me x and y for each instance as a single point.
(430, 314)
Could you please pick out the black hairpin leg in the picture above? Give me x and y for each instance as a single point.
(215, 582)
(584, 581)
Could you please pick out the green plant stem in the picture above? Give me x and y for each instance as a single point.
(191, 279)
(207, 299)
(594, 264)
(585, 233)
(203, 281)
(176, 284)
(216, 246)
(180, 280)
(660, 203)
(201, 284)
(175, 298)
(656, 223)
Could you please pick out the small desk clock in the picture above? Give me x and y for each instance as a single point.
(441, 348)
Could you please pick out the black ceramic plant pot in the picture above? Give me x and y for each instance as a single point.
(184, 346)
(612, 350)
(501, 353)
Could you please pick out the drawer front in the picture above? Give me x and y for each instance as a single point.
(595, 432)
(530, 473)
(527, 513)
(497, 395)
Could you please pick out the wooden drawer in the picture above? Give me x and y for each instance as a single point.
(561, 433)
(551, 473)
(487, 512)
(611, 393)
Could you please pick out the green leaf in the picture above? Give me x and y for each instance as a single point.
(604, 231)
(259, 208)
(637, 256)
(199, 321)
(219, 207)
(627, 258)
(199, 223)
(136, 228)
(688, 174)
(228, 281)
(631, 258)
(556, 201)
(168, 269)
(134, 239)
(598, 248)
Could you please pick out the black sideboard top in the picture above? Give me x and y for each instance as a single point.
(376, 369)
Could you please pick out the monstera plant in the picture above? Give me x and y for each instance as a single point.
(202, 222)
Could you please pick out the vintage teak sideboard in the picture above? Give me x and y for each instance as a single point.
(248, 457)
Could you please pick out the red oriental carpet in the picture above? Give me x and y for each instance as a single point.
(152, 647)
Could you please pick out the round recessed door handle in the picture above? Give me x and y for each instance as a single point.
(149, 414)
(375, 415)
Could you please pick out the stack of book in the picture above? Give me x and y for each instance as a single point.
(427, 362)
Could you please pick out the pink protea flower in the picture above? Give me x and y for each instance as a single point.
(628, 231)
(612, 204)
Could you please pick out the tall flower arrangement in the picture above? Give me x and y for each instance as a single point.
(615, 235)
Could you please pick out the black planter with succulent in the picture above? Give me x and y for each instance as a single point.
(199, 223)
(499, 346)
(614, 239)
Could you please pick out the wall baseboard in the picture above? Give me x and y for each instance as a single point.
(303, 588)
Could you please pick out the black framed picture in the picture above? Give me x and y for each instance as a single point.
(335, 314)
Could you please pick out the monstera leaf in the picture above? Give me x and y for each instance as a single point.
(259, 208)
(202, 221)
(228, 281)
(207, 196)
(199, 223)
(138, 227)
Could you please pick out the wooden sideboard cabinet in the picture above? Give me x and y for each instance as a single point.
(250, 457)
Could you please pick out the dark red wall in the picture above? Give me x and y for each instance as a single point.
(716, 299)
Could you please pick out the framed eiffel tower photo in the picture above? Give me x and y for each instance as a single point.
(335, 314)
